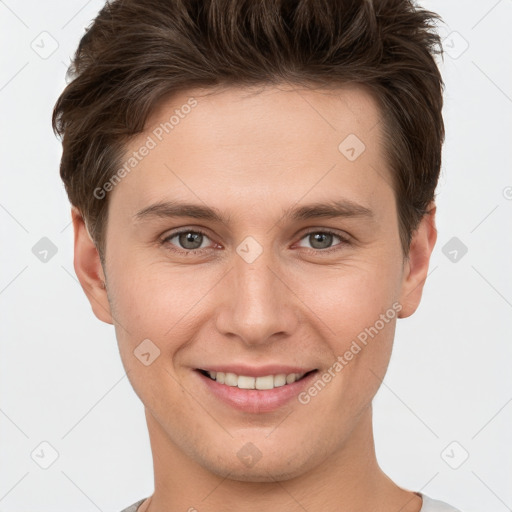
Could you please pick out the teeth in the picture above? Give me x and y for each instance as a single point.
(266, 382)
(262, 383)
(290, 379)
(230, 379)
(246, 382)
(279, 380)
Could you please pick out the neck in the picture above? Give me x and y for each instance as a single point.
(350, 480)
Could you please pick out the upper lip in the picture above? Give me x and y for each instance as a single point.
(253, 371)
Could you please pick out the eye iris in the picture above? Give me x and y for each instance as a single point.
(193, 240)
(324, 239)
(190, 240)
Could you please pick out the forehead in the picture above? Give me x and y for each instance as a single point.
(276, 114)
(256, 142)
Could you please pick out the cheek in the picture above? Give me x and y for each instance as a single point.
(154, 298)
(163, 302)
(358, 309)
(164, 305)
(351, 298)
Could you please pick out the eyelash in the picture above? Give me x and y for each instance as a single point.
(343, 241)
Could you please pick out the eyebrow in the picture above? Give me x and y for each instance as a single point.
(329, 209)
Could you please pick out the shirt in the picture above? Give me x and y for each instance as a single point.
(429, 505)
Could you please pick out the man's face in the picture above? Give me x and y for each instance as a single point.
(259, 292)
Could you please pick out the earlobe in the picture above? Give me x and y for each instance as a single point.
(416, 266)
(88, 269)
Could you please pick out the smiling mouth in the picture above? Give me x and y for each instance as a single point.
(259, 383)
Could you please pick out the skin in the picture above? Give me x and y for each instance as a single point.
(252, 154)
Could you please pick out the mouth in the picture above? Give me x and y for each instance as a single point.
(262, 392)
(262, 383)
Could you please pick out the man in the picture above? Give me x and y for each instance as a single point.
(252, 188)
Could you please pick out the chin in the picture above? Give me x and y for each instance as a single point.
(272, 468)
(267, 473)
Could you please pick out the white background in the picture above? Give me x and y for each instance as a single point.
(61, 376)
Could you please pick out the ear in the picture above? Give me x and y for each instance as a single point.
(88, 269)
(416, 266)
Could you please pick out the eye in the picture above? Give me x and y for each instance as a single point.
(187, 241)
(323, 240)
(191, 241)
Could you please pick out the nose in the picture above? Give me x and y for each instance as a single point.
(257, 306)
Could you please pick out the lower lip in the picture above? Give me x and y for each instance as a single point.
(255, 400)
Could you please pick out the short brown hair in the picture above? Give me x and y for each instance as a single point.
(136, 52)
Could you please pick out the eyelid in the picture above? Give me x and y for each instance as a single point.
(168, 236)
(345, 239)
(180, 231)
(330, 231)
